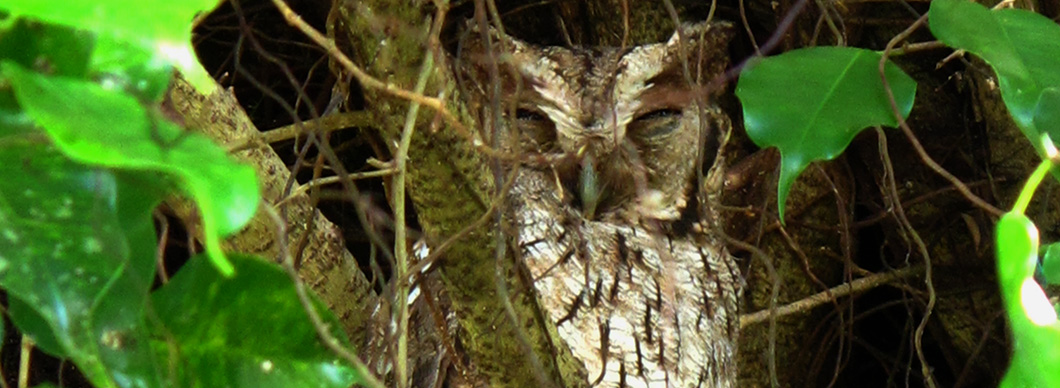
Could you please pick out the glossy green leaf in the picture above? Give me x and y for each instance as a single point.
(77, 260)
(1020, 45)
(160, 26)
(248, 330)
(810, 103)
(1033, 320)
(101, 126)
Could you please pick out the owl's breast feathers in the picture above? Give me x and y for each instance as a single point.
(637, 307)
(639, 299)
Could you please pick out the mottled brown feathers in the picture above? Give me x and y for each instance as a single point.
(621, 136)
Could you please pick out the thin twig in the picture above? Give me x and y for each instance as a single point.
(899, 213)
(160, 249)
(827, 16)
(327, 123)
(319, 182)
(320, 141)
(909, 48)
(830, 295)
(23, 361)
(747, 28)
(870, 220)
(400, 228)
(3, 376)
(909, 132)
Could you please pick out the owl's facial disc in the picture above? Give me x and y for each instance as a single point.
(618, 128)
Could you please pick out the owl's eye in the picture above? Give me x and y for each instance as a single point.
(655, 123)
(657, 114)
(523, 114)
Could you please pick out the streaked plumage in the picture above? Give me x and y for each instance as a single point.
(610, 216)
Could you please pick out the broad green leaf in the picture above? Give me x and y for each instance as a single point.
(248, 330)
(1035, 330)
(77, 260)
(1020, 45)
(810, 103)
(106, 127)
(159, 26)
(63, 51)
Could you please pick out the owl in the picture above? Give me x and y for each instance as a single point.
(611, 210)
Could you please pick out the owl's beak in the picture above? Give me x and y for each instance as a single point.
(589, 190)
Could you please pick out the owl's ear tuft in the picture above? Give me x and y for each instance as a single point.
(714, 33)
(705, 47)
(486, 55)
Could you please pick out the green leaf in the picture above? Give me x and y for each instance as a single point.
(106, 127)
(1017, 246)
(1051, 263)
(1047, 112)
(117, 64)
(248, 330)
(1021, 47)
(77, 259)
(54, 49)
(1035, 329)
(63, 51)
(838, 93)
(159, 26)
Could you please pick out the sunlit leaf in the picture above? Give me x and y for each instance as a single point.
(1036, 333)
(117, 64)
(160, 26)
(248, 330)
(106, 127)
(810, 103)
(58, 50)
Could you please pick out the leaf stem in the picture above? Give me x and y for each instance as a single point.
(1031, 186)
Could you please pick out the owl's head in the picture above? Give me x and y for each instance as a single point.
(622, 131)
